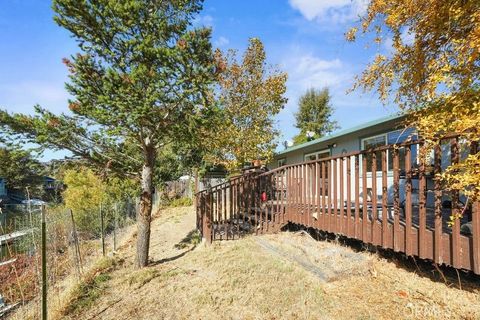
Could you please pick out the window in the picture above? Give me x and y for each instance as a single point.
(371, 143)
(317, 155)
(281, 162)
(393, 137)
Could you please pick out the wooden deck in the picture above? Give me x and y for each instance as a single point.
(327, 195)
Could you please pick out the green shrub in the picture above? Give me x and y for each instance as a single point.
(86, 193)
(181, 202)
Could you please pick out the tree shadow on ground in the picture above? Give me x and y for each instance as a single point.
(191, 240)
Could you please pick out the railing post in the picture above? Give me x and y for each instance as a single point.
(475, 223)
(207, 231)
(476, 236)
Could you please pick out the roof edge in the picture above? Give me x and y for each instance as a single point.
(343, 132)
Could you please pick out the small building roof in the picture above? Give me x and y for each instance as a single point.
(343, 132)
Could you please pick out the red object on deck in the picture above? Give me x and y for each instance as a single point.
(263, 196)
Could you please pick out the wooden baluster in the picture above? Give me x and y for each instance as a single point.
(253, 202)
(219, 212)
(422, 202)
(311, 203)
(324, 194)
(242, 201)
(475, 223)
(385, 224)
(257, 203)
(408, 201)
(283, 196)
(295, 194)
(476, 236)
(438, 235)
(292, 193)
(233, 210)
(375, 238)
(396, 200)
(274, 199)
(313, 177)
(349, 195)
(456, 245)
(357, 197)
(341, 227)
(305, 194)
(228, 221)
(329, 197)
(317, 194)
(364, 199)
(335, 199)
(288, 192)
(270, 209)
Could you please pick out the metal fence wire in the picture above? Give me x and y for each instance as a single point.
(71, 237)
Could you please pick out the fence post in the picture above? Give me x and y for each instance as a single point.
(115, 228)
(44, 265)
(77, 255)
(101, 231)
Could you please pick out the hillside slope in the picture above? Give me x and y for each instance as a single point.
(283, 276)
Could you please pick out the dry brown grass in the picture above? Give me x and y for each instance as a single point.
(245, 280)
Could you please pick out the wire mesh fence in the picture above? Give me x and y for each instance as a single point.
(71, 237)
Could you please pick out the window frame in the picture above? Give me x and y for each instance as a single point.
(284, 160)
(362, 141)
(316, 153)
(362, 145)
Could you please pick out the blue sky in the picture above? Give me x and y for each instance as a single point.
(305, 38)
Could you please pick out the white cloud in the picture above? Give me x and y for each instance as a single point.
(307, 71)
(205, 21)
(222, 41)
(336, 11)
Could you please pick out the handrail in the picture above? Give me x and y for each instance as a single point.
(346, 155)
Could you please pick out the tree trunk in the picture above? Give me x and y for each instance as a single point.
(144, 216)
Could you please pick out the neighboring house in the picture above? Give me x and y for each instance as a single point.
(384, 131)
(49, 183)
(3, 188)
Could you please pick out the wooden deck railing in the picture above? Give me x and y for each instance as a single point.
(389, 197)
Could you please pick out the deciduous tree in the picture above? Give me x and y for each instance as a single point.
(249, 94)
(314, 115)
(432, 71)
(138, 84)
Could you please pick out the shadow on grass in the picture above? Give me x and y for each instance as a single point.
(192, 239)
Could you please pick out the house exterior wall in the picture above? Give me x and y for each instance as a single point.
(352, 142)
(347, 143)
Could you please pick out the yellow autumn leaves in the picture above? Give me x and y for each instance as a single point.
(432, 71)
